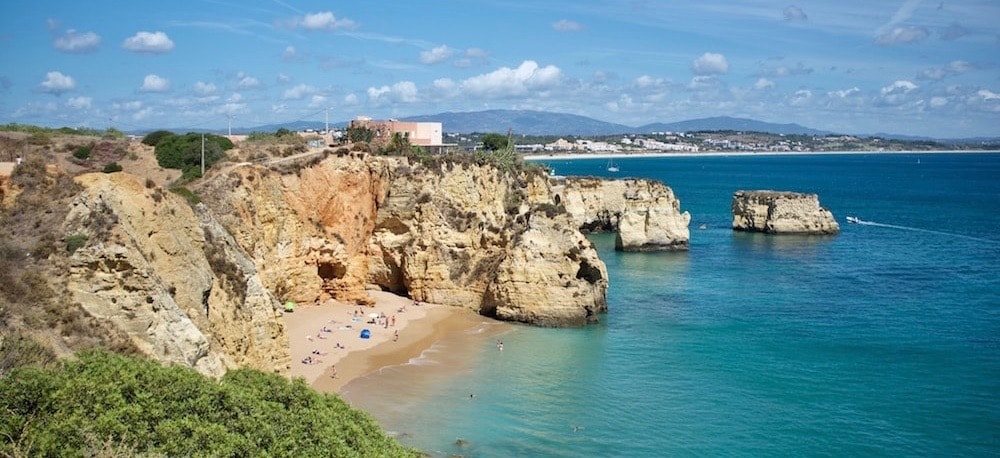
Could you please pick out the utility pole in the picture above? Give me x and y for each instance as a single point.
(230, 125)
(202, 155)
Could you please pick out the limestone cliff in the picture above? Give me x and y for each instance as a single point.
(476, 237)
(174, 281)
(645, 213)
(781, 212)
(447, 232)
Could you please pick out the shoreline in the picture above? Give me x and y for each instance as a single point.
(333, 329)
(658, 154)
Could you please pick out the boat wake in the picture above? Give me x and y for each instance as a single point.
(856, 220)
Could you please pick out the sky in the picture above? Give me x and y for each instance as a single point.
(910, 67)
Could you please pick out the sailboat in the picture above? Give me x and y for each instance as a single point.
(611, 165)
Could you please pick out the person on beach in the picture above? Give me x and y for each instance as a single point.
(395, 336)
(394, 321)
(333, 371)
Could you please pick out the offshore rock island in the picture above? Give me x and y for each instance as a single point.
(781, 212)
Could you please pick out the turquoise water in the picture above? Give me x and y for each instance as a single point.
(882, 340)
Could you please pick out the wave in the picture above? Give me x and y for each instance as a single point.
(920, 229)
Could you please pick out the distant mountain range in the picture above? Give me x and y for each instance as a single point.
(529, 122)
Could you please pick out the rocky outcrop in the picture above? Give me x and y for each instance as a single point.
(447, 232)
(645, 213)
(476, 237)
(781, 212)
(173, 280)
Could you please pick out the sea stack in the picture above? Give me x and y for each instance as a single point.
(781, 212)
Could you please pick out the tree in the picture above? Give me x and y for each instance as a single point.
(360, 134)
(184, 152)
(398, 144)
(153, 138)
(495, 142)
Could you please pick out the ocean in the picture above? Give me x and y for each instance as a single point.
(883, 340)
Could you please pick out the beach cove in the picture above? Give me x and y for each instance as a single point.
(333, 330)
(880, 340)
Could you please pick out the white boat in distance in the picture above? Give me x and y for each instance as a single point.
(611, 166)
(854, 220)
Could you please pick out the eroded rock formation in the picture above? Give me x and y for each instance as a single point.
(781, 212)
(645, 213)
(451, 233)
(175, 281)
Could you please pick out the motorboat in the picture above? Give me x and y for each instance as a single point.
(853, 219)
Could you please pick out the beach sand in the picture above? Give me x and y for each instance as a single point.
(418, 327)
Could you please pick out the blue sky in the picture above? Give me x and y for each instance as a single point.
(852, 66)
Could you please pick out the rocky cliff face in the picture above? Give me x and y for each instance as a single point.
(451, 233)
(781, 212)
(645, 213)
(173, 280)
(475, 237)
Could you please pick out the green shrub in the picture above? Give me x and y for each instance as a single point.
(153, 138)
(75, 242)
(83, 152)
(112, 167)
(186, 193)
(184, 152)
(151, 409)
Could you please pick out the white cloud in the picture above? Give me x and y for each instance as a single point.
(284, 79)
(646, 81)
(801, 97)
(318, 101)
(938, 102)
(987, 94)
(298, 92)
(509, 82)
(201, 88)
(565, 25)
(795, 14)
(444, 84)
(898, 87)
(899, 35)
(142, 114)
(845, 93)
(149, 42)
(783, 71)
(248, 82)
(76, 42)
(289, 54)
(57, 83)
(154, 83)
(959, 66)
(703, 82)
(403, 91)
(710, 64)
(350, 99)
(324, 21)
(940, 73)
(235, 98)
(763, 83)
(278, 109)
(436, 55)
(79, 102)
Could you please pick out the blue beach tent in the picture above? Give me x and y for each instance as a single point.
(365, 333)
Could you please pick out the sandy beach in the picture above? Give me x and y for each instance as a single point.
(329, 335)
